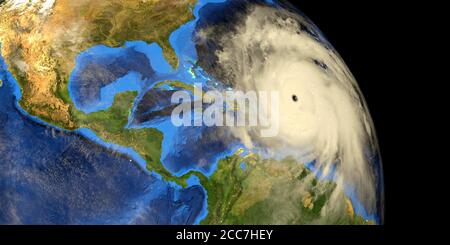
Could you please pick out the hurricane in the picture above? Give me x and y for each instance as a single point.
(322, 117)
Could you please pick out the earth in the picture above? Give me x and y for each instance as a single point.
(87, 137)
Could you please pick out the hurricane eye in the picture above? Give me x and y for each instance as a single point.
(294, 98)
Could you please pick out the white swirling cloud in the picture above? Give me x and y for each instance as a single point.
(329, 122)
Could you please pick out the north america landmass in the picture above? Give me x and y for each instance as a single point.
(40, 45)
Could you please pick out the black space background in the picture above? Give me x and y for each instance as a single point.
(380, 43)
(369, 37)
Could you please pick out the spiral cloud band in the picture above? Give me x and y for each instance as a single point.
(322, 115)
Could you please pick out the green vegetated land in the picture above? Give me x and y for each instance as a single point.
(271, 192)
(265, 192)
(110, 124)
